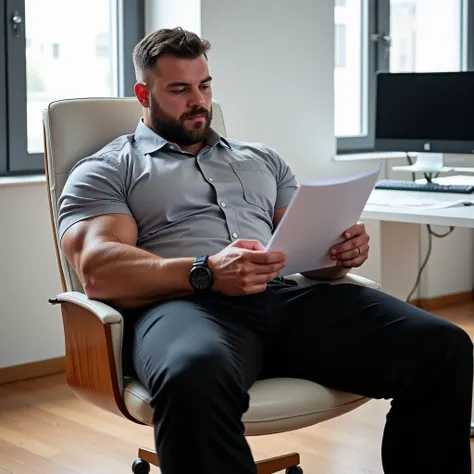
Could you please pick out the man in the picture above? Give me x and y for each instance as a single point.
(170, 225)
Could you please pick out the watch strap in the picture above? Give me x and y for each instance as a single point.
(201, 260)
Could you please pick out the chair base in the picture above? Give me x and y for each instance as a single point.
(288, 462)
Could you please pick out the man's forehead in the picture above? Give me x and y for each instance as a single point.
(173, 69)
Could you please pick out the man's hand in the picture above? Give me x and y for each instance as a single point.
(244, 267)
(354, 251)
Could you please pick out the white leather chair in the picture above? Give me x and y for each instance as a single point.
(93, 331)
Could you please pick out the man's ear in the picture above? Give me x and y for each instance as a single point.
(141, 92)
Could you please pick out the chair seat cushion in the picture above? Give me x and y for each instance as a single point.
(276, 405)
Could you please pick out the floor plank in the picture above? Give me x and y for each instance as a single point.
(44, 428)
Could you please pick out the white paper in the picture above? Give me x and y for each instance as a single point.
(317, 216)
(426, 204)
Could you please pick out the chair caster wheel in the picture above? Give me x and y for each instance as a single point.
(140, 466)
(294, 470)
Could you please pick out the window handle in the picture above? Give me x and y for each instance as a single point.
(17, 21)
(384, 39)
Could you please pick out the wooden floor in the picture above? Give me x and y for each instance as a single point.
(45, 429)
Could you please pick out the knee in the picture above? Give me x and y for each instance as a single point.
(190, 375)
(455, 344)
(462, 342)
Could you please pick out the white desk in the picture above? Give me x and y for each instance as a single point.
(452, 216)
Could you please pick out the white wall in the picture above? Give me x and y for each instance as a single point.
(30, 328)
(273, 75)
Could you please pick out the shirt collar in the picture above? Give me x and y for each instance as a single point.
(149, 141)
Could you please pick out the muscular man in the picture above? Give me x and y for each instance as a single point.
(170, 224)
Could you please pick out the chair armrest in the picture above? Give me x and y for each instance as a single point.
(105, 313)
(93, 338)
(349, 278)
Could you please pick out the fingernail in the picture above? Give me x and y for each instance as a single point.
(348, 234)
(333, 251)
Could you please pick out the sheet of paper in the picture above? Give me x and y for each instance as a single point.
(316, 218)
(426, 204)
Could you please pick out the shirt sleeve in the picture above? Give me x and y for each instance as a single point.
(286, 180)
(94, 187)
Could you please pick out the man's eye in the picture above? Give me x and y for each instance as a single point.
(205, 86)
(178, 91)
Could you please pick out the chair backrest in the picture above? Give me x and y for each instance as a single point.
(76, 128)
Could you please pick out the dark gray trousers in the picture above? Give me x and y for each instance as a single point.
(199, 355)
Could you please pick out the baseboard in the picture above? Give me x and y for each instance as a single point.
(438, 302)
(31, 370)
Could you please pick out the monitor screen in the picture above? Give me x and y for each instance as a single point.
(432, 112)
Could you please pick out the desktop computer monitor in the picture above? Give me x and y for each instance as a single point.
(425, 112)
(430, 114)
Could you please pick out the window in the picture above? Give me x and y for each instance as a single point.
(70, 49)
(419, 28)
(397, 36)
(102, 46)
(351, 62)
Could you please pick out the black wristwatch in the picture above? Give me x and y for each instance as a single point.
(200, 275)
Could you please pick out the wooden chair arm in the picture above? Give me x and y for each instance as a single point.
(93, 337)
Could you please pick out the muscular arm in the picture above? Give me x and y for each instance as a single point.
(103, 252)
(330, 273)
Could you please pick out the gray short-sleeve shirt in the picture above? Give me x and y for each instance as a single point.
(184, 205)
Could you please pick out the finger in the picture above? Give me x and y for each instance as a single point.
(270, 269)
(248, 282)
(266, 258)
(356, 229)
(256, 289)
(258, 283)
(348, 245)
(354, 253)
(356, 261)
(248, 244)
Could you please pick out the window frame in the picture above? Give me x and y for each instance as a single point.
(468, 44)
(377, 15)
(3, 95)
(14, 156)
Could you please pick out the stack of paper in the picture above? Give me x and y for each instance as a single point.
(318, 215)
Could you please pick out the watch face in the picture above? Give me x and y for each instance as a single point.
(200, 278)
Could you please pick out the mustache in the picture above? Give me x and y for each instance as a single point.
(195, 112)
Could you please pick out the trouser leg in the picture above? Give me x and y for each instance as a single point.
(198, 364)
(367, 342)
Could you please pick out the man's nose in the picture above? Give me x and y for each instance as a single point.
(196, 98)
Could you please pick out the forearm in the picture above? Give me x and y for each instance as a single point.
(329, 273)
(130, 277)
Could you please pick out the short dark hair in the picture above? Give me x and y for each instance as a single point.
(176, 42)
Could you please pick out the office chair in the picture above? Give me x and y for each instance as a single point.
(93, 331)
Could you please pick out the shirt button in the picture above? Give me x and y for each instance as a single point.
(223, 204)
(210, 180)
(234, 235)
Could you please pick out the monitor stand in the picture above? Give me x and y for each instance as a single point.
(431, 163)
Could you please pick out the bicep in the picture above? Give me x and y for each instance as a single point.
(278, 215)
(85, 235)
